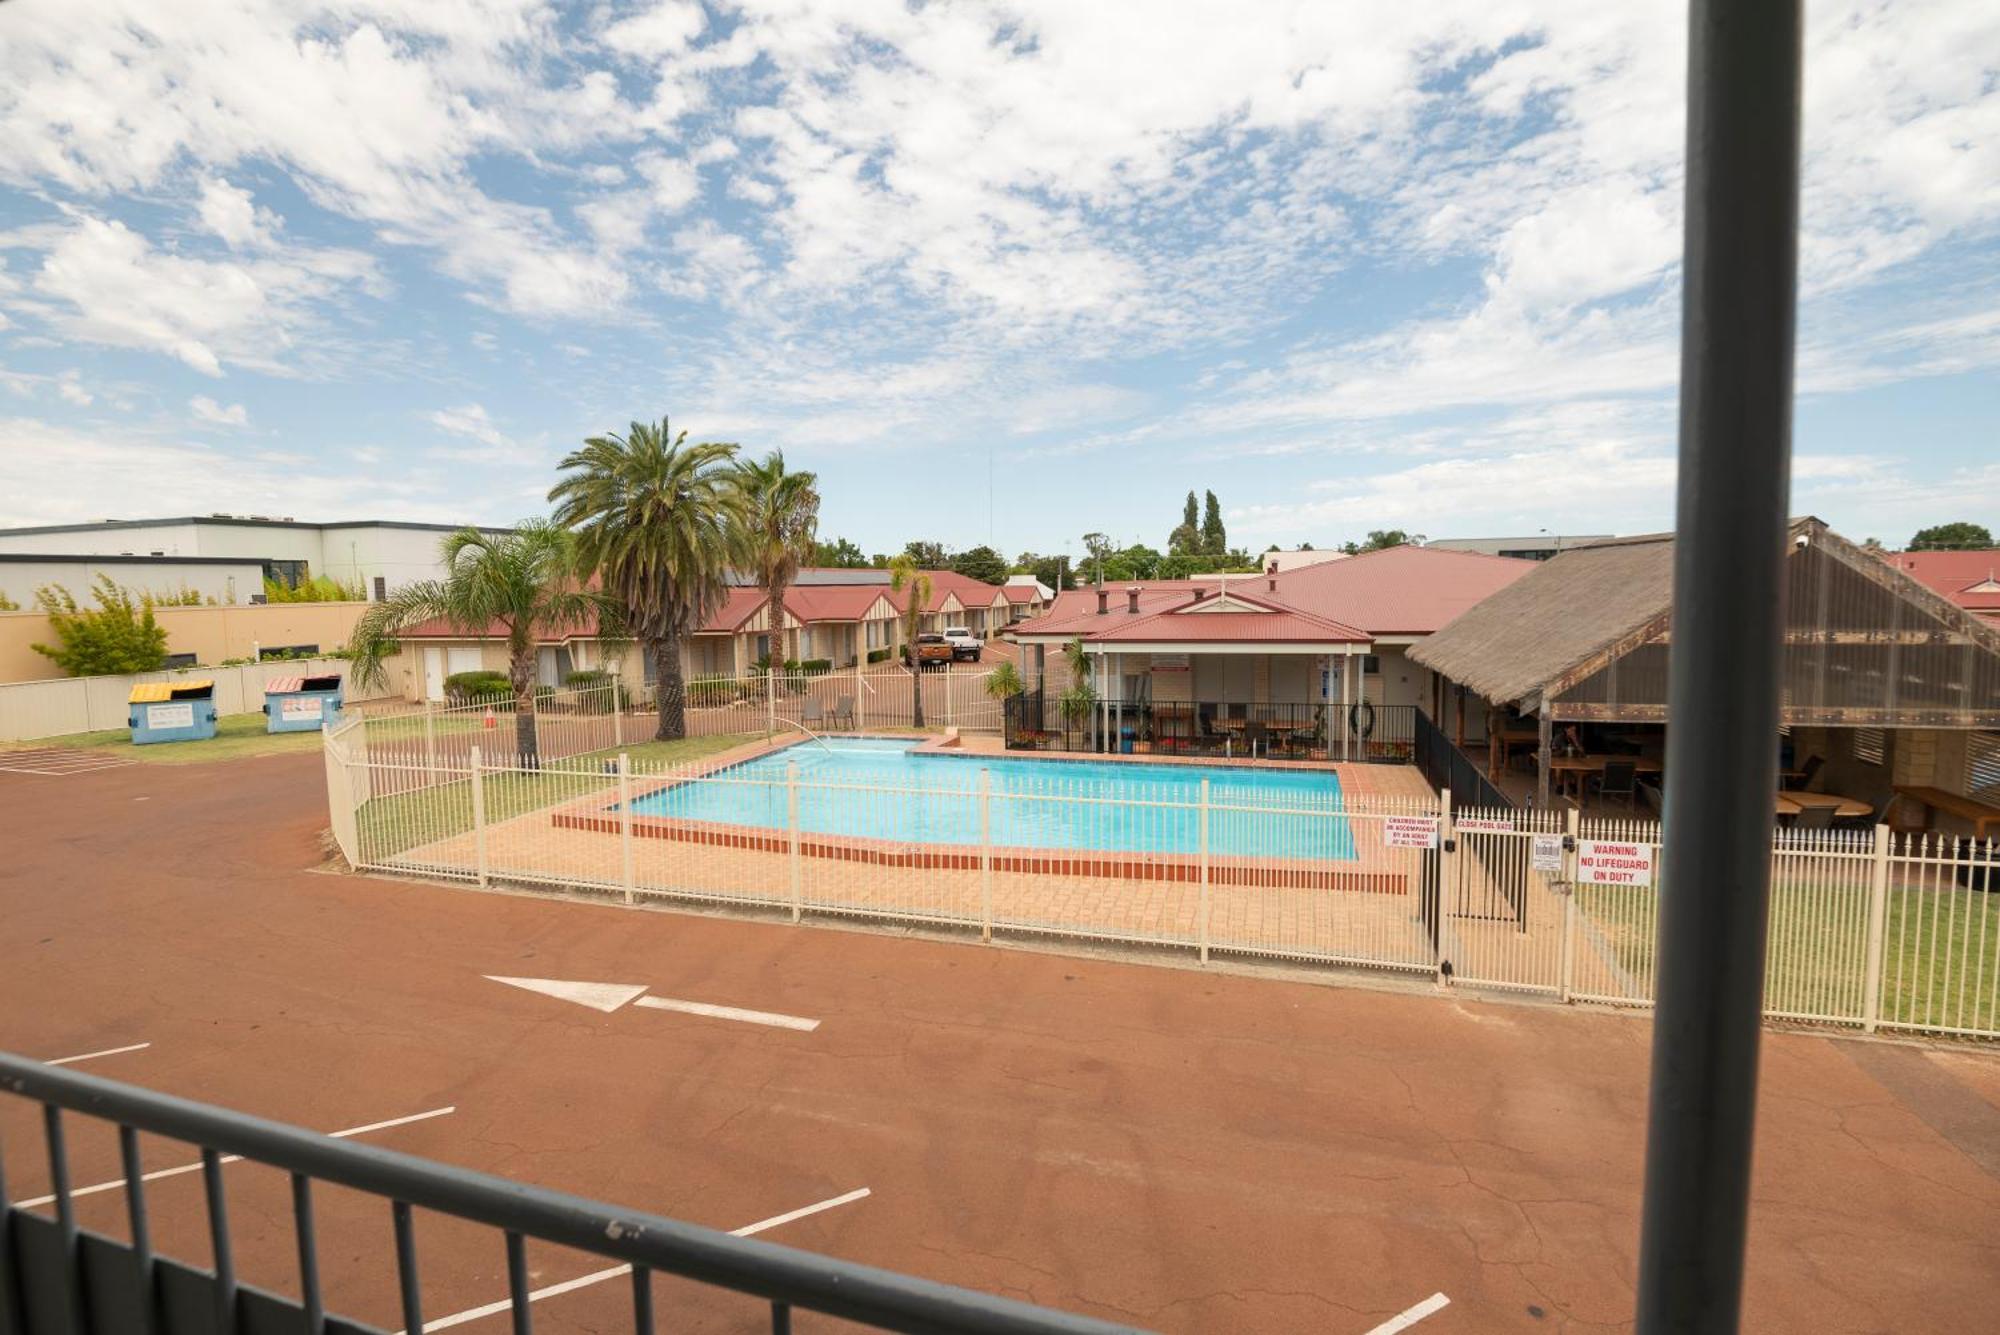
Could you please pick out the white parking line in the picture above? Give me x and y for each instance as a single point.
(728, 1013)
(195, 1167)
(1437, 1302)
(599, 1276)
(87, 1056)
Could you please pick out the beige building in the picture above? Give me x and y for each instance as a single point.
(197, 635)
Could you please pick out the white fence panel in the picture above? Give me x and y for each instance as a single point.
(63, 706)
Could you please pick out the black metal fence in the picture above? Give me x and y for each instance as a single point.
(57, 1278)
(1444, 766)
(1288, 730)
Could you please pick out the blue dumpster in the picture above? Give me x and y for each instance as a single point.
(301, 704)
(172, 711)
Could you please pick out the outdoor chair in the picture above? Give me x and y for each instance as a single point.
(814, 716)
(1654, 799)
(843, 712)
(1619, 780)
(1813, 818)
(1807, 772)
(1255, 738)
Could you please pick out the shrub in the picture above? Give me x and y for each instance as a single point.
(595, 680)
(812, 667)
(118, 635)
(880, 655)
(461, 687)
(314, 589)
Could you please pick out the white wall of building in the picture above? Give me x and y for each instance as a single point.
(231, 583)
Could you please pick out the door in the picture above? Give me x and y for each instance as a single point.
(433, 674)
(548, 672)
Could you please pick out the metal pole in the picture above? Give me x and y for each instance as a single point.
(1567, 968)
(625, 849)
(792, 831)
(1878, 914)
(478, 818)
(430, 747)
(1740, 279)
(985, 853)
(1202, 907)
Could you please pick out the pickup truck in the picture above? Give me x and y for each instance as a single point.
(929, 651)
(964, 644)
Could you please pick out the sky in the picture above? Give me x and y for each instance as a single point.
(998, 272)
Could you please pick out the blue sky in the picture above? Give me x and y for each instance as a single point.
(1352, 266)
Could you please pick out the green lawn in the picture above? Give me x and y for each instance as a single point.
(1940, 957)
(389, 825)
(236, 736)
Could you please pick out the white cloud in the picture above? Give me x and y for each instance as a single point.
(206, 409)
(70, 386)
(233, 215)
(469, 420)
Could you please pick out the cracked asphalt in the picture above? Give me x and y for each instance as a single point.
(1185, 1150)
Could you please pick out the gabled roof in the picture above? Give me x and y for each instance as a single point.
(1579, 610)
(1400, 590)
(1970, 579)
(1564, 611)
(1191, 623)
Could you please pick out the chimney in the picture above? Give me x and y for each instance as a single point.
(1132, 599)
(1103, 602)
(1199, 593)
(1272, 571)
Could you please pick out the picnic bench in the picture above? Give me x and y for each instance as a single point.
(1980, 814)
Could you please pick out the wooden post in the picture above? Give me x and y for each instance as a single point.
(1545, 744)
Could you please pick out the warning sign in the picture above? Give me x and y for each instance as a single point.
(1602, 863)
(1485, 824)
(1410, 832)
(162, 717)
(1547, 853)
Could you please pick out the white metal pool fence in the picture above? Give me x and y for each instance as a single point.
(1868, 929)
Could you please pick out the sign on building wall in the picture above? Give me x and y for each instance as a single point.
(1410, 832)
(1547, 853)
(307, 708)
(1485, 824)
(1599, 862)
(170, 716)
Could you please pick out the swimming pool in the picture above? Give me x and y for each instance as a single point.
(881, 788)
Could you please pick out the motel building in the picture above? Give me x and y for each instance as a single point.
(836, 617)
(1304, 663)
(1891, 690)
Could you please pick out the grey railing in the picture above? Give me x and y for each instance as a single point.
(56, 1277)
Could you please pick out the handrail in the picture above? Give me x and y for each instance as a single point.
(779, 1274)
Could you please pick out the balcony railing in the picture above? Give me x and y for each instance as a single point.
(1284, 730)
(57, 1278)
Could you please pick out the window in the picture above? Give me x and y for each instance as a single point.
(1371, 665)
(1869, 744)
(288, 573)
(1982, 766)
(287, 651)
(381, 589)
(179, 661)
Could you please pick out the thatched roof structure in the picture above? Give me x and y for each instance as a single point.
(1585, 636)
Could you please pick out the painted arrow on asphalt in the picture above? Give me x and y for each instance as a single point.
(608, 997)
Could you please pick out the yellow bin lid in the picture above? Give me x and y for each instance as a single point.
(152, 692)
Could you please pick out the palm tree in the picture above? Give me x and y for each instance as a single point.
(524, 583)
(906, 579)
(656, 523)
(779, 522)
(1079, 702)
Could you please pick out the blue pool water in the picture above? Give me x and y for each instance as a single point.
(883, 789)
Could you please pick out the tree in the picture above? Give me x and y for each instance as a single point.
(1052, 570)
(1191, 513)
(981, 563)
(655, 519)
(1141, 561)
(1076, 703)
(1958, 537)
(777, 519)
(8, 604)
(1184, 541)
(1214, 537)
(525, 582)
(119, 635)
(840, 554)
(915, 586)
(1379, 538)
(927, 555)
(1097, 550)
(1004, 680)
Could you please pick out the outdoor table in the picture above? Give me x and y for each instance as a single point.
(1844, 808)
(1580, 766)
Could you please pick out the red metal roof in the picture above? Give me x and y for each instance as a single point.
(1183, 626)
(1399, 590)
(1970, 579)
